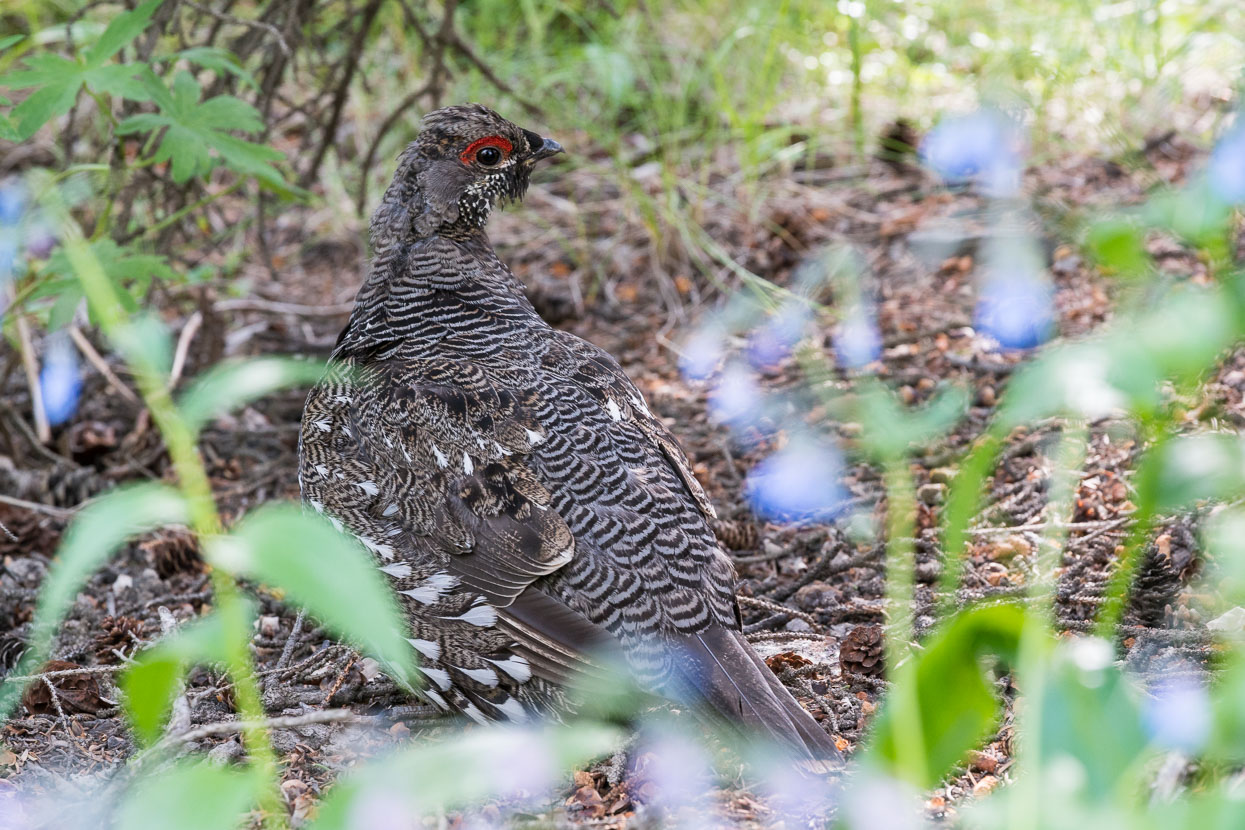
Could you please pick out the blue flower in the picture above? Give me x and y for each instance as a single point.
(60, 381)
(1227, 165)
(736, 399)
(1016, 310)
(12, 203)
(1178, 716)
(702, 353)
(802, 481)
(858, 342)
(773, 342)
(984, 147)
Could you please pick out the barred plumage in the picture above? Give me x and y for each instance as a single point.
(509, 478)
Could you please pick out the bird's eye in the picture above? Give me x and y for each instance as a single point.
(487, 152)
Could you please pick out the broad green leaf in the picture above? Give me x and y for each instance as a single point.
(91, 539)
(230, 385)
(326, 572)
(1086, 699)
(484, 763)
(1227, 738)
(151, 683)
(123, 29)
(191, 796)
(944, 694)
(145, 342)
(127, 268)
(1224, 545)
(197, 135)
(6, 42)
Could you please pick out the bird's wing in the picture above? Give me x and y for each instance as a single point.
(439, 456)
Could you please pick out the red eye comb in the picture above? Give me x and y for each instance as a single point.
(491, 141)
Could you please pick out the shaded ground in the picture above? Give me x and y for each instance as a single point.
(812, 595)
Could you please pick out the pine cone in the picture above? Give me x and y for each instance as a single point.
(114, 635)
(862, 651)
(173, 551)
(77, 693)
(1167, 564)
(736, 534)
(897, 145)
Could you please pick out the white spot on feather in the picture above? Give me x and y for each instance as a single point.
(467, 465)
(534, 437)
(315, 505)
(439, 676)
(442, 581)
(500, 449)
(427, 648)
(436, 698)
(638, 400)
(612, 407)
(336, 523)
(512, 709)
(322, 470)
(481, 616)
(368, 487)
(390, 510)
(473, 712)
(398, 570)
(515, 666)
(378, 548)
(442, 461)
(485, 676)
(322, 424)
(424, 594)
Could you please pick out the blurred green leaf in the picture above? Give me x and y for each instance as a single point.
(151, 683)
(1224, 545)
(58, 80)
(326, 572)
(1119, 245)
(191, 796)
(146, 343)
(1090, 741)
(95, 533)
(1193, 468)
(425, 779)
(944, 693)
(1227, 738)
(196, 133)
(228, 386)
(130, 271)
(895, 429)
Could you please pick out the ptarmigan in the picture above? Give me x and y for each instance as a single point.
(529, 509)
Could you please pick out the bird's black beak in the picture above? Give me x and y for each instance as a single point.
(548, 147)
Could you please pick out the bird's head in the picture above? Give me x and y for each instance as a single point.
(464, 161)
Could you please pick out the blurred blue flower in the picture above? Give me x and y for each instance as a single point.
(678, 769)
(12, 202)
(773, 342)
(984, 147)
(60, 381)
(40, 241)
(1017, 310)
(802, 481)
(736, 398)
(1178, 714)
(858, 342)
(1227, 165)
(702, 352)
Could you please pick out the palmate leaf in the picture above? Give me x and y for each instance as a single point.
(197, 135)
(58, 80)
(129, 270)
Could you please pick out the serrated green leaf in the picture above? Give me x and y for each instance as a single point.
(324, 571)
(42, 105)
(130, 271)
(123, 29)
(191, 796)
(196, 134)
(152, 682)
(425, 779)
(218, 60)
(91, 539)
(230, 385)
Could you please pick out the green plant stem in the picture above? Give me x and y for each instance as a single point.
(963, 501)
(178, 215)
(900, 567)
(205, 521)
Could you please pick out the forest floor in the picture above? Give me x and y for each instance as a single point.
(593, 268)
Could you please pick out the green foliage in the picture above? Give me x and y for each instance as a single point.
(943, 704)
(228, 386)
(325, 572)
(190, 796)
(152, 682)
(196, 133)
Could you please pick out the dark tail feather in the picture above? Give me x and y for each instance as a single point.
(724, 672)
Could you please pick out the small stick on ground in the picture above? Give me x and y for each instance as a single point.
(97, 360)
